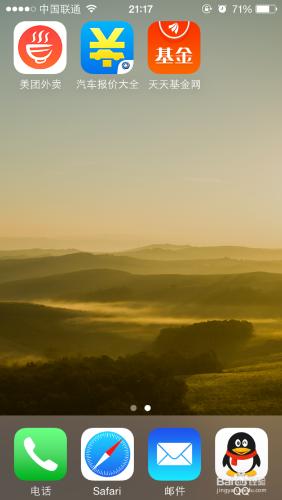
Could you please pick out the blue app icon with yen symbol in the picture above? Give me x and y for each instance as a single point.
(107, 47)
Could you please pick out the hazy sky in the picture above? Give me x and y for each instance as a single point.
(128, 168)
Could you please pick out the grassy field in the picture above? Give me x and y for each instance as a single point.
(249, 390)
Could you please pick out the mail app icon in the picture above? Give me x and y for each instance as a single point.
(174, 454)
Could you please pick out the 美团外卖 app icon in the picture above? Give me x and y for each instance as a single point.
(174, 47)
(107, 47)
(107, 454)
(40, 47)
(241, 454)
(40, 454)
(174, 454)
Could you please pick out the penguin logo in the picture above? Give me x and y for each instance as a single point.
(241, 456)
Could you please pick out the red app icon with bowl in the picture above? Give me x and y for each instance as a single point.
(40, 47)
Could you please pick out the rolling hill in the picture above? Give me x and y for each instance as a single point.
(26, 268)
(242, 295)
(29, 330)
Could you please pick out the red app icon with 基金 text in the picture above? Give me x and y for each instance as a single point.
(174, 47)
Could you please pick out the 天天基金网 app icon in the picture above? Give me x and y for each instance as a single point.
(107, 454)
(241, 454)
(107, 47)
(40, 47)
(40, 454)
(174, 47)
(174, 454)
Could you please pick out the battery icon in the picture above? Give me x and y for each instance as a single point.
(266, 9)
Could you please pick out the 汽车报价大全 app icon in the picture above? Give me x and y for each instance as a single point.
(107, 454)
(40, 454)
(241, 454)
(40, 47)
(174, 454)
(107, 47)
(174, 47)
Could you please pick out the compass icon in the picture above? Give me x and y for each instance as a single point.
(107, 454)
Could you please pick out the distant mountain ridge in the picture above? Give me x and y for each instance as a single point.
(188, 252)
(33, 253)
(38, 267)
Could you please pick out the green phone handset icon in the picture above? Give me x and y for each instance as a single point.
(45, 464)
(40, 454)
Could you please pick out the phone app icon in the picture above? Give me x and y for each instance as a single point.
(40, 454)
(174, 47)
(174, 454)
(107, 47)
(40, 47)
(241, 454)
(107, 454)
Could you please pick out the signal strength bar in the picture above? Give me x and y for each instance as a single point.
(20, 9)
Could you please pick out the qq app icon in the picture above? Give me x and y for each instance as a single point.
(40, 47)
(241, 454)
(107, 454)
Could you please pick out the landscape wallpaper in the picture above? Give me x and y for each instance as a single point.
(141, 234)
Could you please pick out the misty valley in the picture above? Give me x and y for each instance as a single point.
(193, 330)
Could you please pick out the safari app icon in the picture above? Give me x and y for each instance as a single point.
(40, 47)
(107, 454)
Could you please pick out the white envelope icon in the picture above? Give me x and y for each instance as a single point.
(178, 454)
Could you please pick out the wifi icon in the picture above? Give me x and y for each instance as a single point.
(91, 8)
